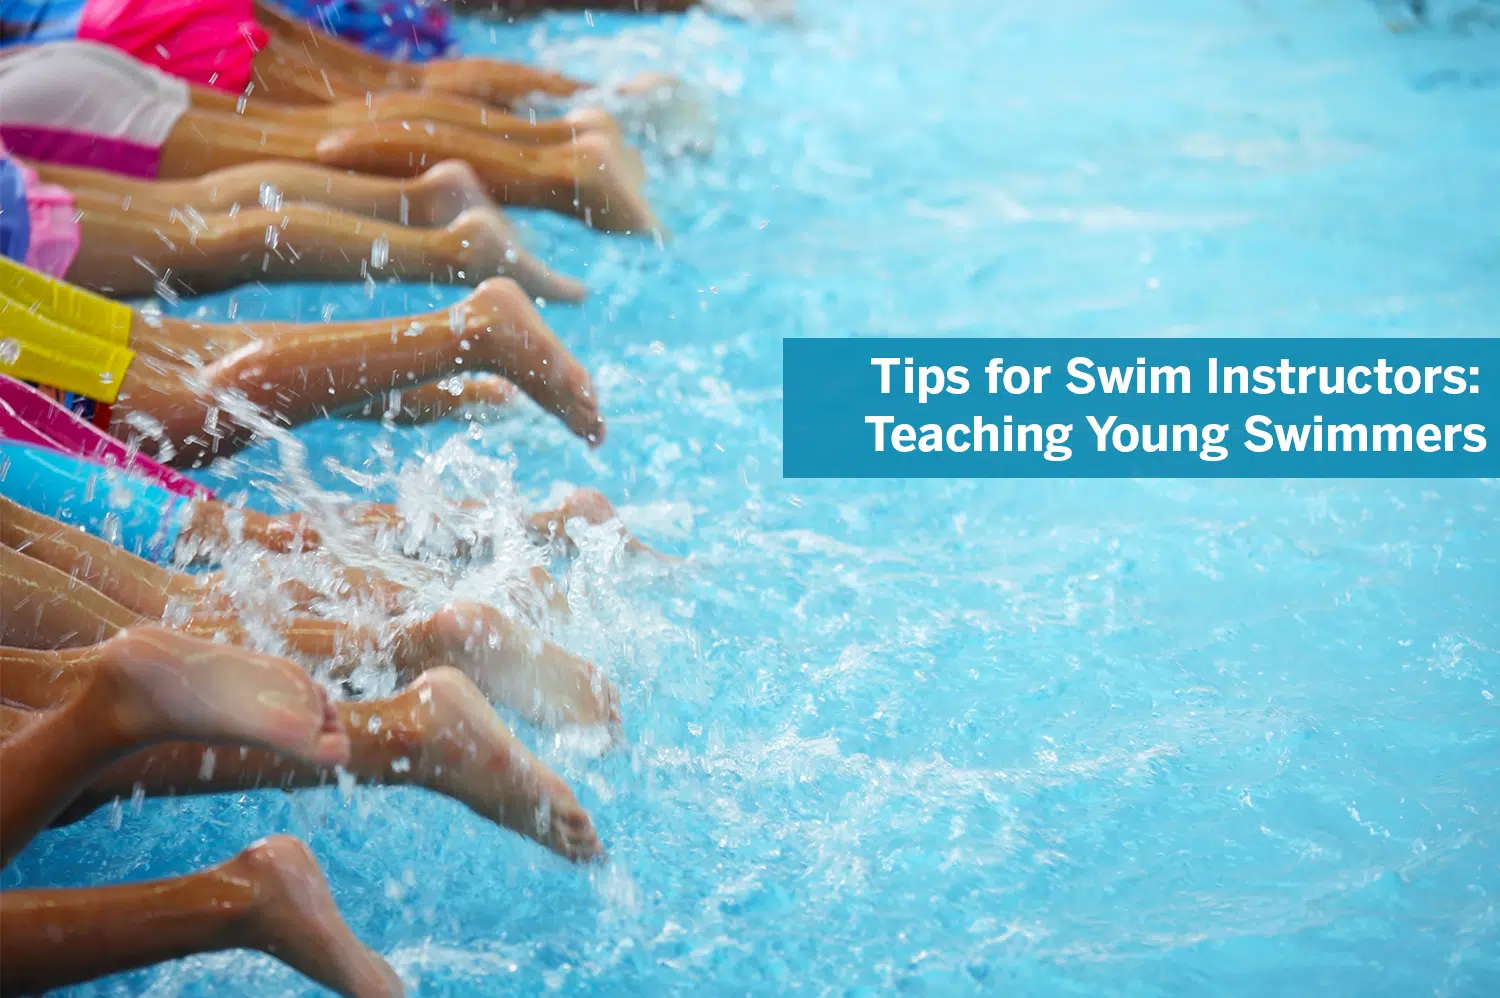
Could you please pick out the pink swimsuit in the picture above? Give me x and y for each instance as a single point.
(208, 42)
(86, 104)
(52, 220)
(29, 417)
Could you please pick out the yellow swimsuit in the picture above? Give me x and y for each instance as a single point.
(59, 336)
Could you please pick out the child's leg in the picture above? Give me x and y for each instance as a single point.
(502, 84)
(44, 607)
(136, 584)
(291, 74)
(482, 242)
(511, 663)
(435, 197)
(589, 505)
(127, 251)
(439, 733)
(147, 686)
(484, 79)
(397, 106)
(147, 589)
(196, 344)
(591, 178)
(330, 368)
(294, 40)
(271, 898)
(437, 400)
(41, 607)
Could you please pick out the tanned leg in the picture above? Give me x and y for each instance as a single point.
(272, 897)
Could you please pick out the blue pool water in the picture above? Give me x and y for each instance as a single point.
(1139, 738)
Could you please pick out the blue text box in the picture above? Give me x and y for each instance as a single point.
(1433, 418)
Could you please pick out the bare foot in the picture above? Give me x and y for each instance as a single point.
(652, 85)
(520, 346)
(479, 397)
(609, 187)
(469, 755)
(593, 119)
(591, 506)
(484, 397)
(489, 246)
(165, 686)
(294, 919)
(449, 189)
(214, 527)
(597, 121)
(515, 667)
(545, 586)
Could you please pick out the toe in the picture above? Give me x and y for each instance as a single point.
(577, 838)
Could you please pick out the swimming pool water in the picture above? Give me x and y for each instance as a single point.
(1138, 738)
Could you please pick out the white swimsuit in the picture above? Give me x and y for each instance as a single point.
(82, 104)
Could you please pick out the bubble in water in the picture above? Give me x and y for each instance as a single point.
(380, 252)
(270, 197)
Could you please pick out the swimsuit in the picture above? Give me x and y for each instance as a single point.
(29, 416)
(83, 104)
(126, 511)
(38, 221)
(15, 214)
(208, 42)
(75, 343)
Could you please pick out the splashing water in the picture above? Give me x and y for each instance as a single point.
(1046, 738)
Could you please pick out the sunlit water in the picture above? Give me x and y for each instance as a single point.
(1132, 738)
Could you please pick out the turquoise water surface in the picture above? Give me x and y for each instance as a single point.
(1137, 738)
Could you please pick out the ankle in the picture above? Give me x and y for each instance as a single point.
(255, 879)
(424, 195)
(457, 241)
(114, 711)
(239, 896)
(413, 646)
(495, 308)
